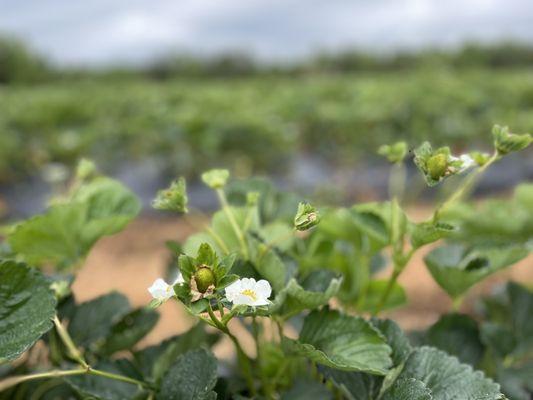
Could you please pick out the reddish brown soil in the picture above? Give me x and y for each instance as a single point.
(130, 261)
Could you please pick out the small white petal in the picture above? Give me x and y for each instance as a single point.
(467, 162)
(161, 290)
(179, 279)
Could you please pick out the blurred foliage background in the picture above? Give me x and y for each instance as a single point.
(187, 114)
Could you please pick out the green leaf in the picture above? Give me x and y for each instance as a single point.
(273, 232)
(447, 378)
(97, 387)
(343, 342)
(192, 377)
(315, 291)
(407, 389)
(456, 268)
(516, 381)
(129, 330)
(509, 329)
(428, 232)
(65, 233)
(269, 265)
(93, 320)
(354, 385)
(396, 339)
(374, 294)
(27, 307)
(307, 389)
(154, 361)
(521, 300)
(457, 335)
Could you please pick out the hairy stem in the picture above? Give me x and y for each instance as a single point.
(15, 380)
(244, 360)
(74, 352)
(388, 290)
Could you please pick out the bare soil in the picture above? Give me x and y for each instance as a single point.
(130, 261)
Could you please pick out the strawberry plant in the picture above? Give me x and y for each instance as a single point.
(301, 279)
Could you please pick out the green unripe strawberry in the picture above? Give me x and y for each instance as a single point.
(204, 278)
(437, 165)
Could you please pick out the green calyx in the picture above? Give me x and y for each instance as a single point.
(174, 198)
(306, 217)
(507, 142)
(204, 278)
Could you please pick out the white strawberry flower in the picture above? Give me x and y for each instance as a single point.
(162, 291)
(249, 292)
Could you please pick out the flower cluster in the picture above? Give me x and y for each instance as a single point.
(245, 291)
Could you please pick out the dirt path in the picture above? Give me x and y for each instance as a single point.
(130, 261)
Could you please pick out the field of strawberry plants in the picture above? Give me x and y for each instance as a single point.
(300, 277)
(252, 124)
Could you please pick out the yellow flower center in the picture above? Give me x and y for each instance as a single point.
(250, 293)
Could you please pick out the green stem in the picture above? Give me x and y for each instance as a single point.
(266, 386)
(466, 185)
(216, 237)
(390, 284)
(15, 380)
(69, 343)
(231, 218)
(243, 359)
(457, 302)
(116, 377)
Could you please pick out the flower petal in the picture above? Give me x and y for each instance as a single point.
(263, 289)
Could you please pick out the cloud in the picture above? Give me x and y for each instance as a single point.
(100, 31)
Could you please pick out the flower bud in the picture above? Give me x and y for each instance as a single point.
(173, 198)
(506, 142)
(252, 198)
(306, 217)
(437, 166)
(480, 158)
(215, 178)
(85, 169)
(204, 278)
(395, 153)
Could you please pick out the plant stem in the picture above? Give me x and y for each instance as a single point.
(266, 386)
(466, 185)
(231, 218)
(390, 284)
(76, 355)
(243, 359)
(69, 343)
(15, 380)
(116, 377)
(216, 237)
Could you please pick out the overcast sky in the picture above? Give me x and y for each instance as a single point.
(109, 31)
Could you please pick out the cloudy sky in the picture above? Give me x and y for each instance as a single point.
(100, 32)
